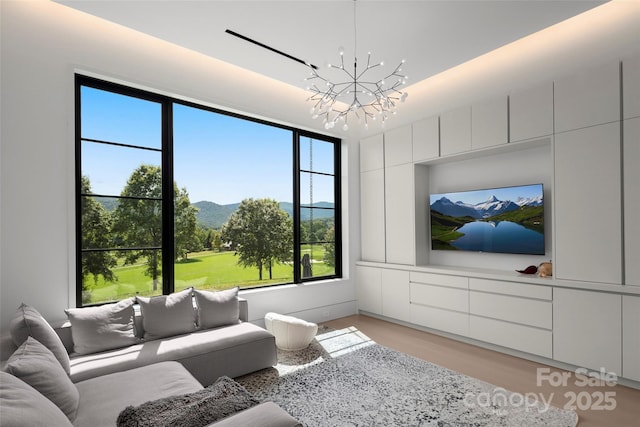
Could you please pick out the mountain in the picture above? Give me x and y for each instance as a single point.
(493, 207)
(531, 201)
(213, 215)
(487, 209)
(456, 210)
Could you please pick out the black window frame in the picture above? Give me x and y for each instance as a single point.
(168, 238)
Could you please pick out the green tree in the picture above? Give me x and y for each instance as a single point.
(96, 231)
(138, 221)
(186, 230)
(261, 233)
(330, 248)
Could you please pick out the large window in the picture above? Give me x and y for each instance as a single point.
(173, 194)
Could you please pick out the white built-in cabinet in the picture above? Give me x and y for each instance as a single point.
(588, 313)
(513, 315)
(369, 289)
(383, 291)
(489, 123)
(531, 113)
(631, 337)
(455, 131)
(588, 240)
(399, 197)
(426, 139)
(440, 302)
(587, 329)
(372, 236)
(395, 294)
(588, 225)
(589, 98)
(631, 150)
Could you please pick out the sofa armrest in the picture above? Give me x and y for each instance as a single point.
(266, 414)
(64, 332)
(244, 309)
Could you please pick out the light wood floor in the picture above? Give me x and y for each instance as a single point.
(512, 373)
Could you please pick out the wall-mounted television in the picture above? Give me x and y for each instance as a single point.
(502, 220)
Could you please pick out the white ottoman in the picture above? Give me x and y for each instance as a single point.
(291, 333)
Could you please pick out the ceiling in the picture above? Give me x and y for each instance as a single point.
(432, 36)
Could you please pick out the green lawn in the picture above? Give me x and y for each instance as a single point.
(204, 270)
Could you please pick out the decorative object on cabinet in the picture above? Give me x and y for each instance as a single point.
(545, 269)
(532, 269)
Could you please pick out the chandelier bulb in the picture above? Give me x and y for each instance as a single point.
(345, 127)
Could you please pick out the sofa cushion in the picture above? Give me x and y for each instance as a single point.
(205, 343)
(168, 315)
(103, 398)
(23, 406)
(102, 328)
(34, 364)
(221, 399)
(28, 322)
(217, 308)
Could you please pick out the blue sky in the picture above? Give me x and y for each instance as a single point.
(218, 158)
(479, 196)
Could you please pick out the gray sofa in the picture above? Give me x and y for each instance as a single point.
(230, 350)
(91, 389)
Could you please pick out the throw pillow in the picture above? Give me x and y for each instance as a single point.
(168, 315)
(221, 399)
(217, 308)
(108, 326)
(34, 364)
(22, 405)
(28, 322)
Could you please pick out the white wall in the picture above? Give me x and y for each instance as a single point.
(43, 44)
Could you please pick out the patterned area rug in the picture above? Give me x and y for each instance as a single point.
(345, 379)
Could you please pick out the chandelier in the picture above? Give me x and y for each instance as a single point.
(358, 95)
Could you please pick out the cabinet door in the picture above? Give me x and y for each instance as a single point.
(531, 113)
(372, 153)
(398, 146)
(399, 198)
(372, 231)
(587, 205)
(455, 131)
(395, 294)
(632, 201)
(369, 291)
(631, 337)
(587, 329)
(426, 139)
(631, 87)
(489, 123)
(589, 98)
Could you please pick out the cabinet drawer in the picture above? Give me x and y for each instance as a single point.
(513, 309)
(443, 320)
(440, 280)
(439, 296)
(518, 337)
(511, 288)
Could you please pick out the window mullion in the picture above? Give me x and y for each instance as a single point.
(296, 208)
(168, 227)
